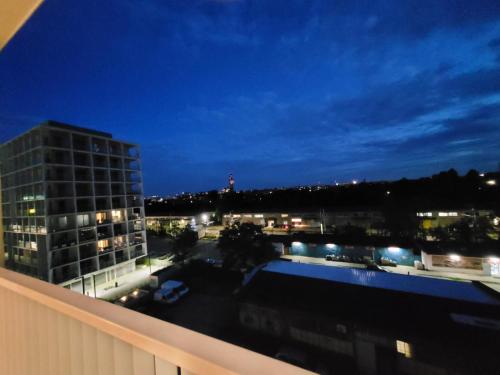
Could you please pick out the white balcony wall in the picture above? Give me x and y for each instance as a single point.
(46, 329)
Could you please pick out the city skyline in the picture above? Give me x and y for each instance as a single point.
(277, 95)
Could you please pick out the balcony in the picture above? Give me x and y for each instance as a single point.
(115, 163)
(83, 174)
(57, 157)
(104, 232)
(134, 201)
(65, 273)
(82, 159)
(120, 243)
(85, 235)
(115, 148)
(106, 261)
(59, 174)
(131, 164)
(81, 142)
(102, 218)
(62, 240)
(61, 257)
(107, 338)
(116, 176)
(84, 205)
(84, 190)
(99, 145)
(88, 266)
(88, 251)
(61, 206)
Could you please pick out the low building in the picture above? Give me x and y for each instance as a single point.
(168, 222)
(367, 322)
(445, 218)
(308, 221)
(487, 263)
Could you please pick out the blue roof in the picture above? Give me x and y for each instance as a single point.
(458, 290)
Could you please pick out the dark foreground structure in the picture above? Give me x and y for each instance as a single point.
(341, 320)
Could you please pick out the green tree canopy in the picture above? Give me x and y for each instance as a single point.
(244, 245)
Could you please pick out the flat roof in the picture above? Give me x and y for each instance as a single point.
(456, 290)
(61, 125)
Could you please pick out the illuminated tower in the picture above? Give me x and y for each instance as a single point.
(231, 183)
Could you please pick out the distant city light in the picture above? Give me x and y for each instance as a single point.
(388, 192)
(481, 175)
(330, 245)
(491, 182)
(394, 249)
(204, 218)
(455, 257)
(296, 243)
(354, 182)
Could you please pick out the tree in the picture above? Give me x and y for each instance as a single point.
(400, 222)
(350, 233)
(184, 241)
(471, 229)
(244, 245)
(440, 233)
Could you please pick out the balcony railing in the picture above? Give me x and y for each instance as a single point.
(68, 333)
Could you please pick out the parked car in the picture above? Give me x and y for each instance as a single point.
(388, 262)
(331, 257)
(171, 291)
(214, 262)
(165, 296)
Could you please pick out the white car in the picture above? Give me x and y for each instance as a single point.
(171, 291)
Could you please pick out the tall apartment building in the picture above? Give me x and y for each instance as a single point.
(72, 205)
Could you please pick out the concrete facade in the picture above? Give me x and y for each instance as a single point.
(72, 203)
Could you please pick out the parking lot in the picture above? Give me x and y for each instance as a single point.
(209, 307)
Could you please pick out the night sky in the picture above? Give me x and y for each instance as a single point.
(278, 93)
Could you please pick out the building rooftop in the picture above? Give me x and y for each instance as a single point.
(61, 125)
(389, 281)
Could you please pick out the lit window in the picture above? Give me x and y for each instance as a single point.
(100, 217)
(83, 220)
(296, 220)
(258, 216)
(284, 215)
(102, 245)
(443, 214)
(117, 216)
(403, 348)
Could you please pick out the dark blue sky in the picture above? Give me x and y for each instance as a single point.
(276, 92)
